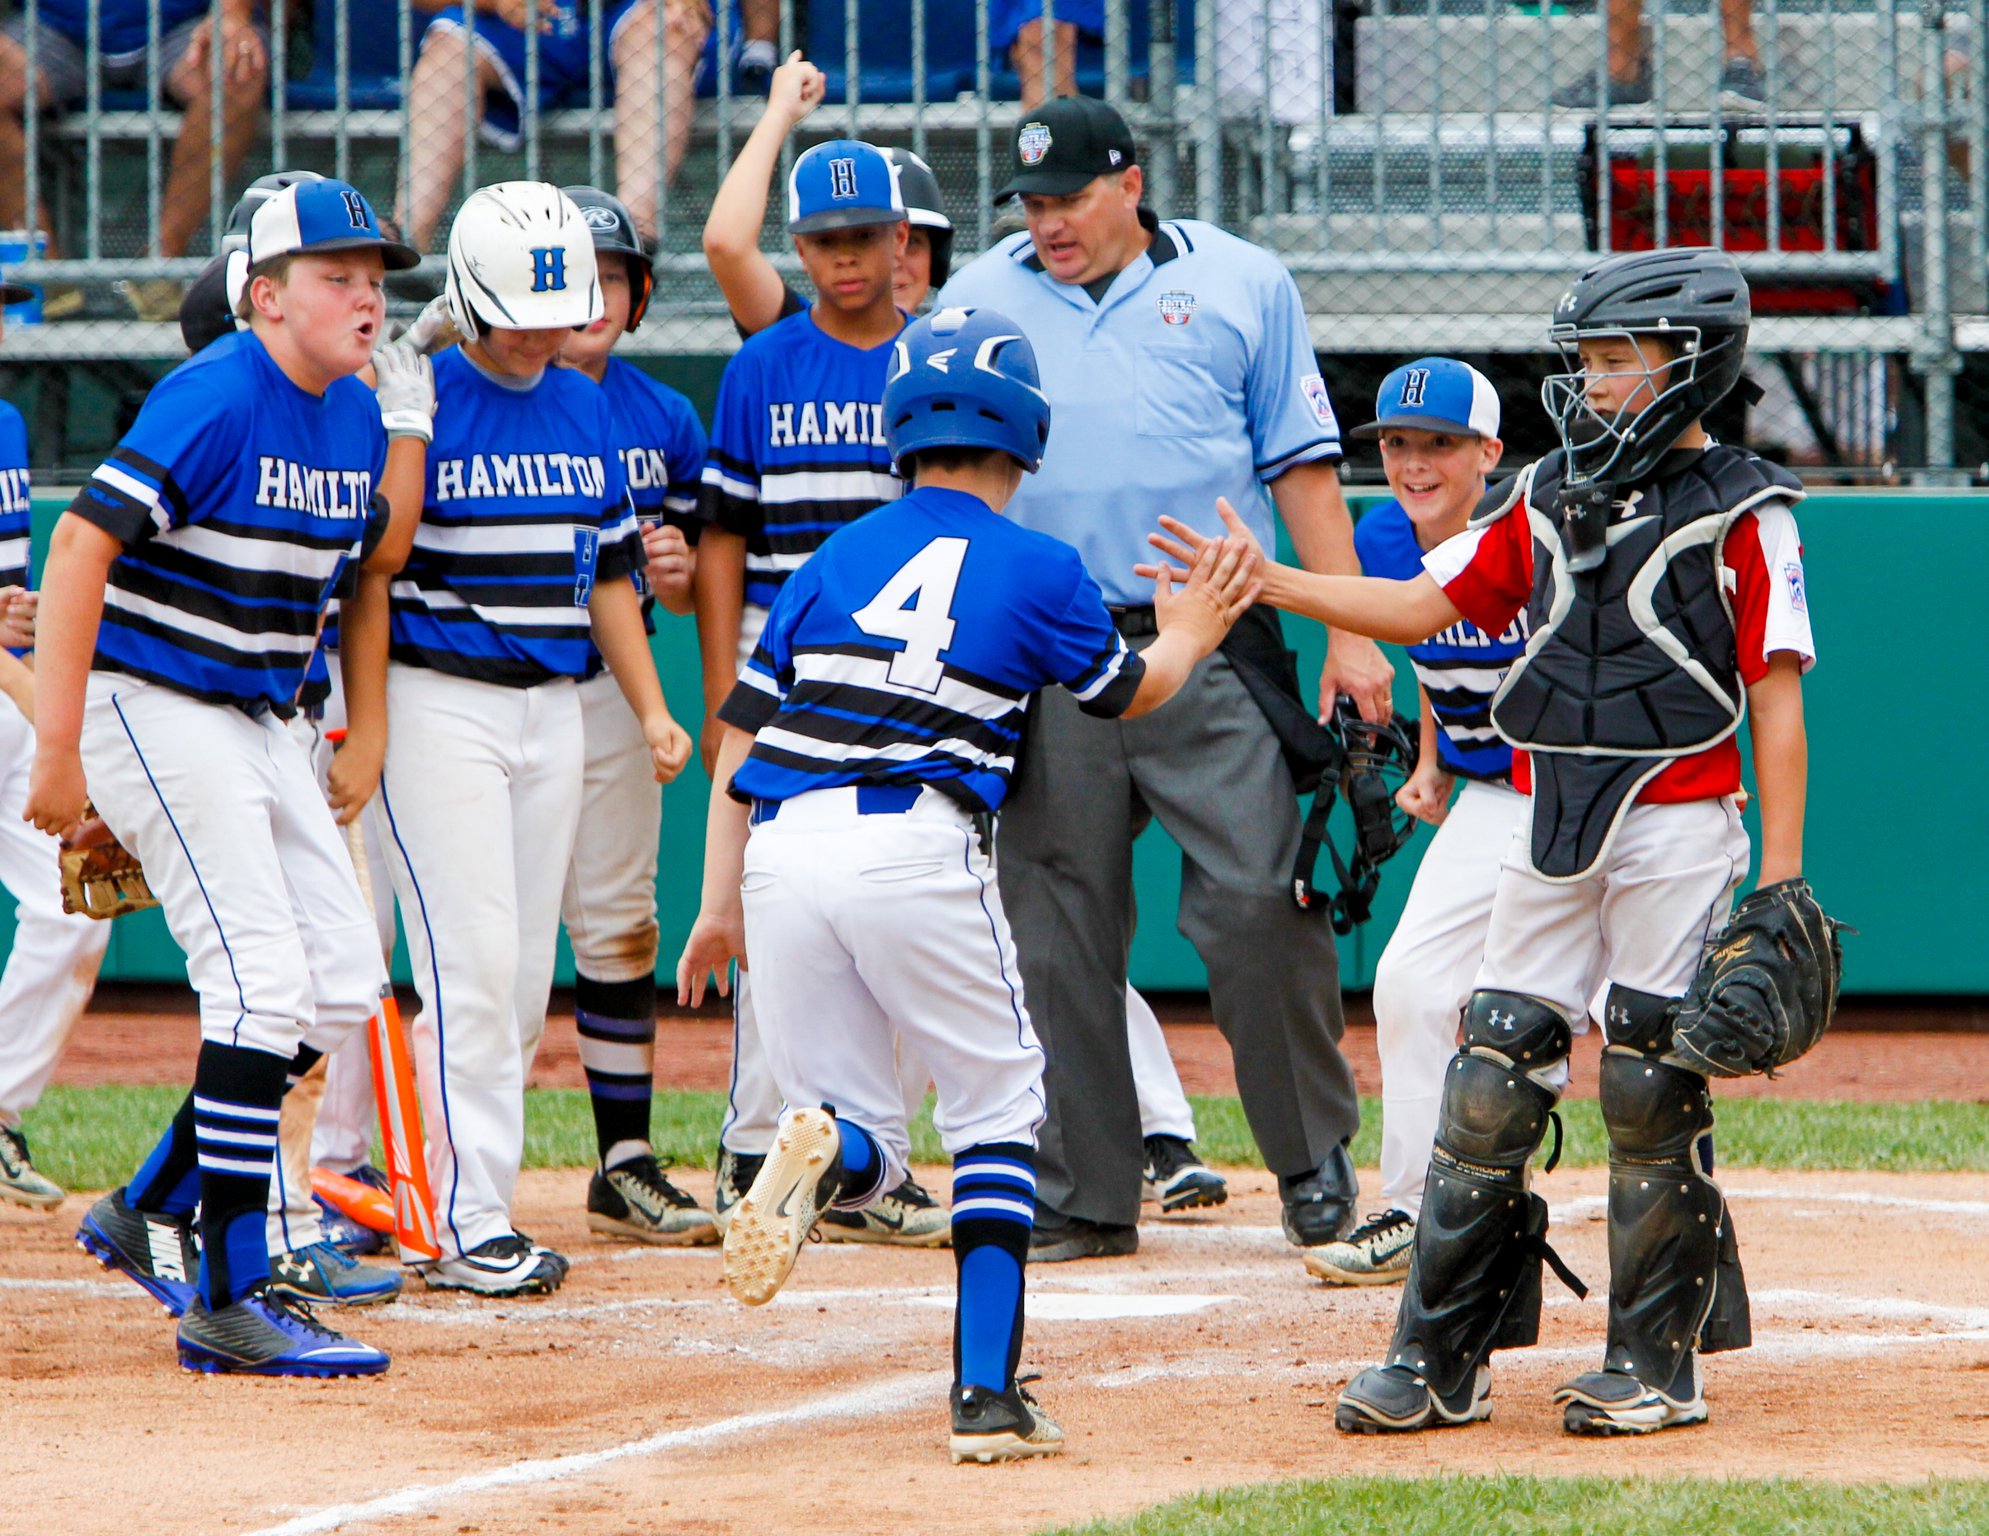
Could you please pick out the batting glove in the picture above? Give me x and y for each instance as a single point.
(405, 387)
(432, 329)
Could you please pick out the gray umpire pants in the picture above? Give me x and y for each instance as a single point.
(1207, 765)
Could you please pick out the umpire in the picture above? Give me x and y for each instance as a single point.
(1179, 369)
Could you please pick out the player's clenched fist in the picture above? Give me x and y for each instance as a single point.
(669, 747)
(57, 794)
(671, 564)
(17, 617)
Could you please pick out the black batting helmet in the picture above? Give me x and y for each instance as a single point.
(615, 234)
(924, 210)
(1693, 298)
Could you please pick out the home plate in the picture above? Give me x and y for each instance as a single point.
(1078, 1307)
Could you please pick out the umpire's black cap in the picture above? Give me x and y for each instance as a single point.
(1065, 144)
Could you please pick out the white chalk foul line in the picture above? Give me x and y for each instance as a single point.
(1590, 1206)
(874, 1401)
(78, 1288)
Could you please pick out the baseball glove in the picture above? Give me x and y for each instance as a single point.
(100, 878)
(1766, 989)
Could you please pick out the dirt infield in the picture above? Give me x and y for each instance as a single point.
(1898, 1055)
(641, 1398)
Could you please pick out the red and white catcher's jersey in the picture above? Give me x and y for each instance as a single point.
(1488, 574)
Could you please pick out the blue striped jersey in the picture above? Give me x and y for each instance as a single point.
(907, 650)
(524, 509)
(15, 498)
(662, 444)
(797, 447)
(238, 498)
(1459, 668)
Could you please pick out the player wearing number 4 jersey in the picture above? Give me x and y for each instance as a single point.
(866, 744)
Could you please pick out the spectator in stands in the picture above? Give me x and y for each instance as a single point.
(760, 52)
(652, 116)
(1628, 61)
(186, 49)
(1016, 28)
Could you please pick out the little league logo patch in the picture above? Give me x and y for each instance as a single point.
(1793, 574)
(1313, 387)
(1176, 306)
(1033, 143)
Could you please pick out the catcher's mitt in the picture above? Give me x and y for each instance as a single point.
(100, 878)
(1766, 989)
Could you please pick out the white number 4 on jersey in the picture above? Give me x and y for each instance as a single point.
(916, 608)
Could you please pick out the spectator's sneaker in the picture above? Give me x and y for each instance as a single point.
(264, 1334)
(1001, 1426)
(511, 1265)
(1579, 94)
(756, 66)
(155, 300)
(20, 1182)
(323, 1274)
(355, 1238)
(1394, 1400)
(907, 1217)
(1057, 1238)
(736, 1172)
(633, 1200)
(1741, 85)
(1377, 1252)
(1177, 1180)
(62, 301)
(159, 1252)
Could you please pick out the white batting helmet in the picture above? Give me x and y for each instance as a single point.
(521, 258)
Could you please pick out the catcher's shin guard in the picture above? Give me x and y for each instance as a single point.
(1675, 1284)
(1474, 1280)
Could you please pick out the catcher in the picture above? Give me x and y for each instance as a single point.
(1661, 575)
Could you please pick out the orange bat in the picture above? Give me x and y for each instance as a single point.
(393, 1091)
(363, 1203)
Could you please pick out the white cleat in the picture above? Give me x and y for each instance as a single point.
(773, 1219)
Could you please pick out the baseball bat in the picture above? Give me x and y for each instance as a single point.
(363, 1203)
(393, 1091)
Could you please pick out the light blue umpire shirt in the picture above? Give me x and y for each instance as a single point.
(1194, 378)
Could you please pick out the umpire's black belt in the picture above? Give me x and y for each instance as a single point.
(1136, 622)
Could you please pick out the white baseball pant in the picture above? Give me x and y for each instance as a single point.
(1641, 920)
(1426, 973)
(867, 931)
(609, 901)
(224, 812)
(1164, 1108)
(481, 799)
(53, 965)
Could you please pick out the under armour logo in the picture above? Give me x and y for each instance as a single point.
(1414, 385)
(548, 269)
(842, 178)
(1618, 1014)
(942, 360)
(1503, 1020)
(355, 210)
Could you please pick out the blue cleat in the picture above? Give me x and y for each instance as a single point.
(322, 1274)
(159, 1252)
(265, 1334)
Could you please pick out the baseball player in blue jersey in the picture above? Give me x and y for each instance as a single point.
(868, 741)
(53, 965)
(184, 590)
(797, 451)
(609, 905)
(517, 587)
(1437, 425)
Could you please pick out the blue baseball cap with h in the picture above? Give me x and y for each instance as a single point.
(319, 217)
(1435, 394)
(843, 184)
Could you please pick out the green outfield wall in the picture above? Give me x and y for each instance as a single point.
(1898, 841)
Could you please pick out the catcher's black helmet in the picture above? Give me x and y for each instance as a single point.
(615, 234)
(1375, 762)
(924, 210)
(1694, 298)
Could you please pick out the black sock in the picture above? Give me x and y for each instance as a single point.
(994, 1196)
(237, 1099)
(167, 1183)
(617, 1021)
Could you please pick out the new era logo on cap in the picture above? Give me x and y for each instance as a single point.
(320, 216)
(843, 184)
(1435, 394)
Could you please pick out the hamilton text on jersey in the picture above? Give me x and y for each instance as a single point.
(519, 474)
(323, 492)
(790, 425)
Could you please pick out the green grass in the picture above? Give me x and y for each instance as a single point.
(1592, 1506)
(91, 1138)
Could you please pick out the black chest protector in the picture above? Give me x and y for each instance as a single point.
(1632, 665)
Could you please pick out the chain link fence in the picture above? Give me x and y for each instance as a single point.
(1432, 171)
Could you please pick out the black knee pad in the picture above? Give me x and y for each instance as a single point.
(1530, 1034)
(1640, 1021)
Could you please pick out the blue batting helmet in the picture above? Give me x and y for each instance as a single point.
(965, 378)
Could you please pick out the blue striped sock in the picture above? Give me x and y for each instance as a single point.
(994, 1208)
(237, 1101)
